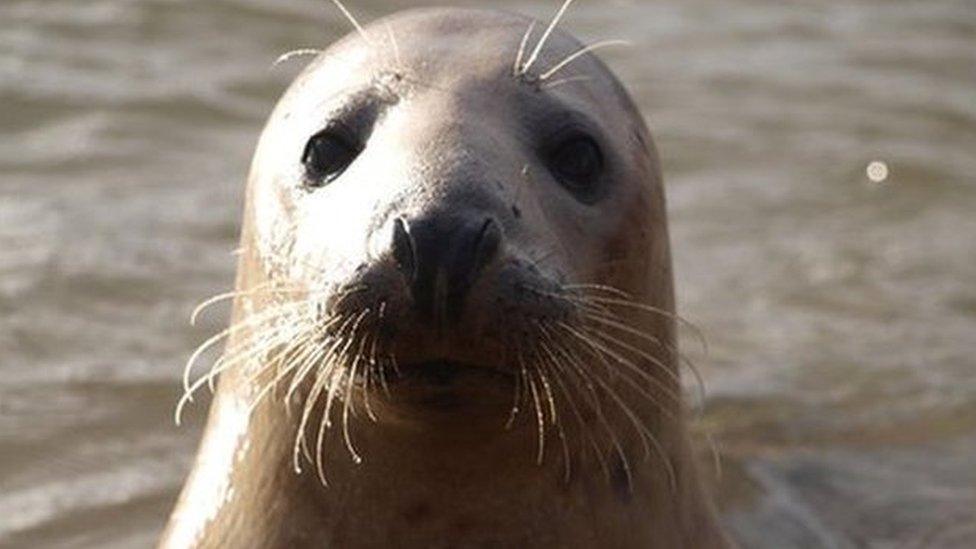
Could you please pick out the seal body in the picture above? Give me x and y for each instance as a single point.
(454, 316)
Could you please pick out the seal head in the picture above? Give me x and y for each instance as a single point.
(455, 267)
(453, 195)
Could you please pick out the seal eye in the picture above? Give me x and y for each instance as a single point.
(327, 154)
(577, 163)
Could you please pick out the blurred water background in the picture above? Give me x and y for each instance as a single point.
(841, 312)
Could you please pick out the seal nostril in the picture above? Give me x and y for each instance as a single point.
(471, 256)
(488, 241)
(441, 257)
(404, 250)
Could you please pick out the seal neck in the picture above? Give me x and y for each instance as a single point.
(418, 487)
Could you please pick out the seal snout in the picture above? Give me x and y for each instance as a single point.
(441, 257)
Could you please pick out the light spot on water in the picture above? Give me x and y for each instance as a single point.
(877, 171)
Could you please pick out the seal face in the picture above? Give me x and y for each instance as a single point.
(454, 246)
(444, 196)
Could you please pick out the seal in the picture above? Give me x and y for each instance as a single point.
(453, 322)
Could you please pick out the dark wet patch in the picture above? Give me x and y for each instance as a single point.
(419, 511)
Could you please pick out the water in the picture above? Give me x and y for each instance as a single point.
(841, 313)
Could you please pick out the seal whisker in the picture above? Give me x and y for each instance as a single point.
(630, 366)
(320, 436)
(240, 354)
(300, 445)
(716, 455)
(647, 437)
(310, 345)
(329, 345)
(312, 350)
(688, 363)
(376, 355)
(207, 379)
(551, 368)
(347, 408)
(604, 315)
(341, 375)
(369, 361)
(599, 287)
(699, 381)
(586, 306)
(338, 355)
(560, 366)
(188, 387)
(598, 312)
(544, 380)
(306, 350)
(537, 258)
(323, 375)
(294, 337)
(253, 321)
(545, 37)
(540, 417)
(248, 348)
(579, 53)
(353, 361)
(216, 338)
(540, 421)
(601, 352)
(516, 69)
(336, 380)
(300, 372)
(351, 378)
(561, 81)
(614, 323)
(583, 376)
(222, 297)
(654, 310)
(394, 45)
(348, 15)
(517, 398)
(395, 364)
(293, 54)
(582, 424)
(343, 355)
(566, 355)
(289, 327)
(557, 375)
(648, 440)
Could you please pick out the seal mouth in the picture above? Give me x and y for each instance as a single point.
(451, 386)
(445, 372)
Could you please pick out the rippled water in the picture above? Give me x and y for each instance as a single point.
(841, 313)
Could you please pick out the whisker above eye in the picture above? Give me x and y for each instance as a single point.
(579, 53)
(545, 37)
(293, 54)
